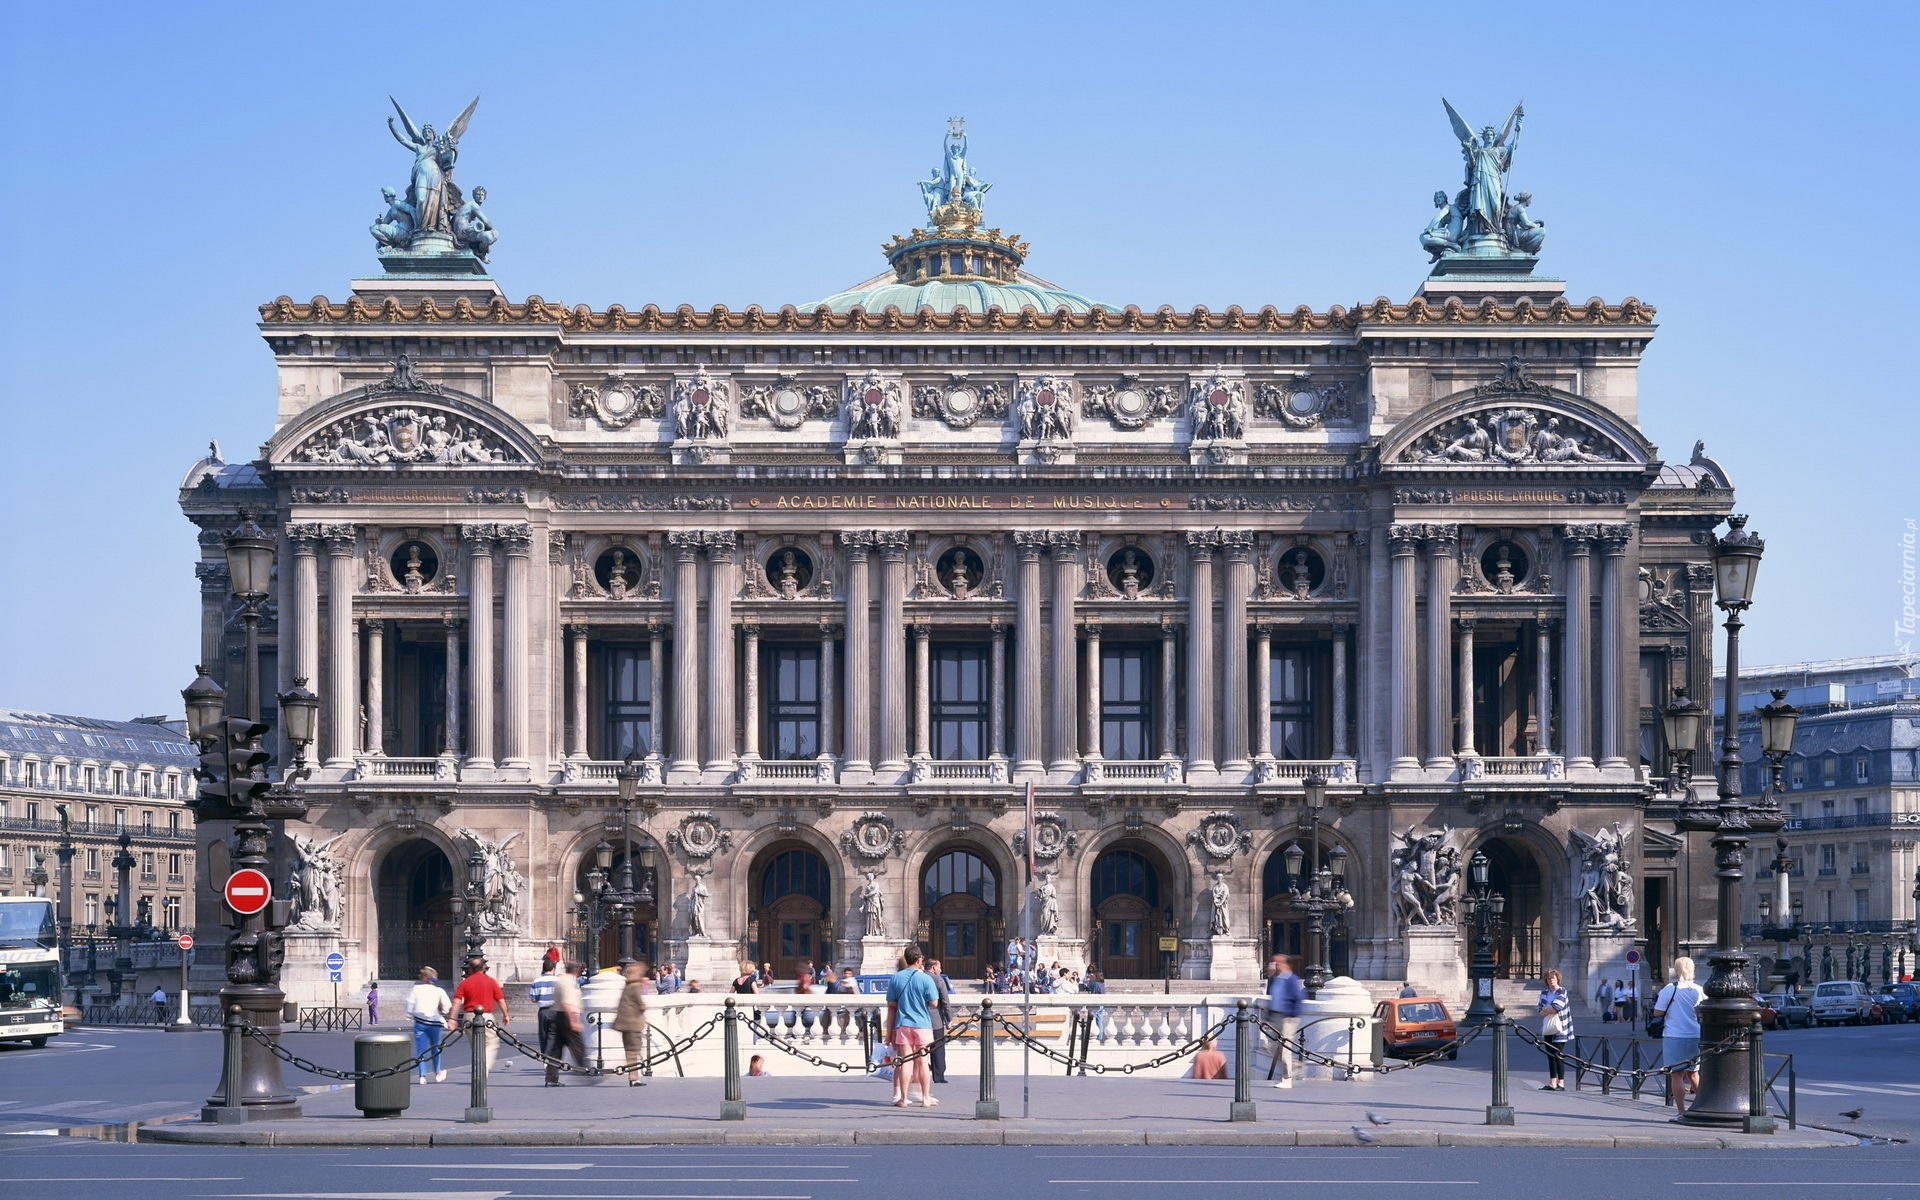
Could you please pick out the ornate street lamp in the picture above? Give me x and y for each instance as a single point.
(1485, 910)
(249, 550)
(1169, 943)
(122, 930)
(206, 706)
(1681, 720)
(1727, 1016)
(474, 903)
(1315, 888)
(64, 853)
(299, 721)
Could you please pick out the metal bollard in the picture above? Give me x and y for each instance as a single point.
(1758, 1119)
(229, 1110)
(732, 1108)
(1500, 1112)
(1242, 1108)
(478, 1111)
(987, 1107)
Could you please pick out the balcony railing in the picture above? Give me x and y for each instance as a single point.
(1293, 770)
(797, 770)
(965, 770)
(1145, 771)
(605, 770)
(1530, 766)
(404, 768)
(1829, 870)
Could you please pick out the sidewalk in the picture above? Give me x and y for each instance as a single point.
(1436, 1105)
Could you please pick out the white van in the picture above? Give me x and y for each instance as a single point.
(1841, 1000)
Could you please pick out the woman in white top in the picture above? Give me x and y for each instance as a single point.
(430, 1008)
(1680, 1038)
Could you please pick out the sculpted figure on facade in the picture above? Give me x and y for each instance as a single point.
(874, 409)
(395, 227)
(1439, 236)
(1426, 873)
(954, 194)
(1219, 919)
(1603, 885)
(471, 228)
(500, 882)
(433, 200)
(1513, 436)
(402, 436)
(698, 897)
(1046, 898)
(1046, 410)
(700, 409)
(314, 888)
(872, 902)
(1218, 410)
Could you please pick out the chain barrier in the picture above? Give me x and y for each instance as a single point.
(313, 1068)
(1724, 1046)
(645, 1064)
(954, 1031)
(1071, 1061)
(1298, 1048)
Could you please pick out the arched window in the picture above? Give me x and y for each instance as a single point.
(797, 872)
(1125, 873)
(960, 872)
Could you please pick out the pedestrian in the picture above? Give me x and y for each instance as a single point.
(1556, 1026)
(1408, 991)
(1630, 1008)
(481, 993)
(668, 981)
(748, 981)
(1017, 954)
(911, 996)
(692, 986)
(1285, 993)
(545, 1016)
(1064, 983)
(849, 983)
(942, 1017)
(630, 1019)
(757, 1066)
(551, 959)
(1209, 1063)
(431, 1011)
(569, 1022)
(1097, 985)
(1675, 1008)
(159, 999)
(373, 1002)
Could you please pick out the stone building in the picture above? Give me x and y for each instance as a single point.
(112, 777)
(847, 579)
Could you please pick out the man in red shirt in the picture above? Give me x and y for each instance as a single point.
(482, 993)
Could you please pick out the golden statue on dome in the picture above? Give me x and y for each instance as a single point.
(954, 194)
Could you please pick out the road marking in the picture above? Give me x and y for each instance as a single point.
(367, 1195)
(66, 1106)
(1862, 1087)
(123, 1179)
(479, 1166)
(1787, 1183)
(1243, 1182)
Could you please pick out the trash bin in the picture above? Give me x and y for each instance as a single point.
(385, 1095)
(290, 1012)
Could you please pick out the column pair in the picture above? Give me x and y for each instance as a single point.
(687, 743)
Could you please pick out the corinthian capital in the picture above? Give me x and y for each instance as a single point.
(1201, 543)
(1238, 543)
(480, 536)
(1579, 539)
(1030, 543)
(892, 543)
(1063, 541)
(686, 543)
(858, 543)
(1440, 538)
(339, 538)
(721, 543)
(1615, 537)
(1403, 539)
(304, 536)
(515, 538)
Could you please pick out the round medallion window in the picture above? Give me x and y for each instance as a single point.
(789, 570)
(618, 571)
(1130, 570)
(874, 396)
(960, 571)
(1303, 403)
(1045, 396)
(618, 403)
(415, 565)
(1301, 572)
(1218, 398)
(700, 395)
(1130, 403)
(1504, 564)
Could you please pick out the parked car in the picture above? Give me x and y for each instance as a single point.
(1415, 1026)
(1769, 1015)
(1789, 1011)
(1842, 1001)
(1906, 995)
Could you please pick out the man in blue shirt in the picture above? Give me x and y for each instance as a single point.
(1285, 993)
(911, 995)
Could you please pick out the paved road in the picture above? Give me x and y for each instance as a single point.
(60, 1169)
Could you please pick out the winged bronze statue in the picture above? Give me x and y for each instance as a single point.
(1488, 155)
(432, 197)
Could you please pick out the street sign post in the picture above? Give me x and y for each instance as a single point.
(336, 972)
(248, 891)
(183, 1023)
(185, 941)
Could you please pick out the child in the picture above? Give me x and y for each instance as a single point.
(757, 1065)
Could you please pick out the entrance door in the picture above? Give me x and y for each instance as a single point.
(416, 912)
(1514, 871)
(959, 891)
(1126, 904)
(793, 892)
(1287, 930)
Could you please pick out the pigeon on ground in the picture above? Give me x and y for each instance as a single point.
(1854, 1114)
(1363, 1137)
(1374, 1118)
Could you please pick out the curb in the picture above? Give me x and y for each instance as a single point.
(962, 1135)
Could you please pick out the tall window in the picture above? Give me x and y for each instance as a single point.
(173, 822)
(93, 859)
(629, 716)
(170, 912)
(1126, 702)
(92, 909)
(173, 865)
(1294, 732)
(793, 702)
(959, 702)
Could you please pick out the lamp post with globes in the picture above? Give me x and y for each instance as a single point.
(1728, 1013)
(1485, 910)
(469, 904)
(1317, 888)
(596, 906)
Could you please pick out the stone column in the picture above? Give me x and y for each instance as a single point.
(376, 687)
(516, 676)
(1543, 681)
(1440, 545)
(1169, 690)
(1200, 677)
(656, 688)
(342, 691)
(451, 747)
(577, 695)
(1403, 543)
(922, 690)
(1027, 751)
(1576, 680)
(750, 679)
(997, 694)
(305, 540)
(721, 585)
(1090, 737)
(1340, 747)
(827, 690)
(857, 702)
(479, 540)
(1464, 705)
(1263, 692)
(1062, 696)
(1614, 662)
(1238, 545)
(892, 544)
(686, 650)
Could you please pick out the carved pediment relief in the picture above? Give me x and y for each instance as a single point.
(404, 421)
(1515, 422)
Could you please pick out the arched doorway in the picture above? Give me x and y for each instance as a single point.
(645, 912)
(414, 902)
(1129, 880)
(1286, 926)
(960, 919)
(1519, 942)
(792, 894)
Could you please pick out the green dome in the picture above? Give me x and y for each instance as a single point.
(945, 295)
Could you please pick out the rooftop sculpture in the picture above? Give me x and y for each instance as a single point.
(1484, 227)
(433, 217)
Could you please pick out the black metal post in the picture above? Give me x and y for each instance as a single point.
(224, 1107)
(987, 1107)
(1242, 1108)
(479, 1111)
(732, 1107)
(124, 975)
(253, 984)
(1758, 1119)
(65, 853)
(1500, 1112)
(1480, 964)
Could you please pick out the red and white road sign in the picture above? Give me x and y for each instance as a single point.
(184, 941)
(248, 891)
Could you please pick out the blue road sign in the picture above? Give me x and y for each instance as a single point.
(333, 977)
(336, 961)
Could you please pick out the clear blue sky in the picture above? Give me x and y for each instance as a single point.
(1749, 169)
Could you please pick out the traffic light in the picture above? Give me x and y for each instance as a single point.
(229, 769)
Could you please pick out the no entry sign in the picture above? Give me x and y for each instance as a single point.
(248, 891)
(185, 941)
